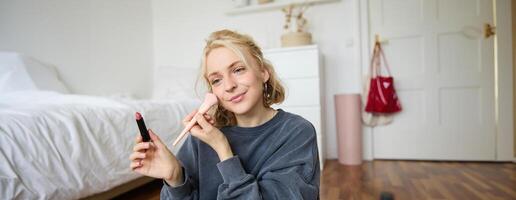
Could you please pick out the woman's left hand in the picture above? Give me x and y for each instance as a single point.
(209, 134)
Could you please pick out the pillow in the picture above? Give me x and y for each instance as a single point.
(177, 83)
(13, 75)
(44, 76)
(19, 72)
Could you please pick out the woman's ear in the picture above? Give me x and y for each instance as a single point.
(265, 75)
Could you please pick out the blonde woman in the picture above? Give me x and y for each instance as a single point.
(246, 150)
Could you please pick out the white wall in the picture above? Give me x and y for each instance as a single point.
(181, 26)
(504, 79)
(99, 47)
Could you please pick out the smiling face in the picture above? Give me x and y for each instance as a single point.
(239, 87)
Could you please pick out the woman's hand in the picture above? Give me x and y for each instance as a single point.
(209, 134)
(155, 160)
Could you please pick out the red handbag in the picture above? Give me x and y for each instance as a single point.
(382, 96)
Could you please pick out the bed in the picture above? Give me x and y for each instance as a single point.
(56, 145)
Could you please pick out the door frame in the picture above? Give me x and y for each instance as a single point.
(503, 75)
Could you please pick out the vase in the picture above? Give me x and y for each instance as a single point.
(291, 39)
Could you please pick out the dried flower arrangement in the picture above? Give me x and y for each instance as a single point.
(299, 36)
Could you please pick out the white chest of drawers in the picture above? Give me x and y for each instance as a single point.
(299, 69)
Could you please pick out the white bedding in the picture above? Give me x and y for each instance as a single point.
(55, 146)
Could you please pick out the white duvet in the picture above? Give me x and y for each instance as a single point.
(55, 146)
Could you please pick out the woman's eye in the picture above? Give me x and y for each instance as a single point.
(215, 81)
(240, 69)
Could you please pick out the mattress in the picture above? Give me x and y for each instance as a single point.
(61, 146)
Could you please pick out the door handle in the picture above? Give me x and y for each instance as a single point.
(488, 30)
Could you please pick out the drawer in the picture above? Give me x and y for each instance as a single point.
(302, 92)
(295, 64)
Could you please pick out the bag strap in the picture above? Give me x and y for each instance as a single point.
(372, 68)
(380, 49)
(378, 55)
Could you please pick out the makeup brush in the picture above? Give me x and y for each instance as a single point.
(209, 101)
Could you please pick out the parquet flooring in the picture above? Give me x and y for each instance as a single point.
(419, 180)
(403, 179)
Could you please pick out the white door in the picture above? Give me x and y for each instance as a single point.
(444, 74)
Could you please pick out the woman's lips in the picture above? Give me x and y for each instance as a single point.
(237, 98)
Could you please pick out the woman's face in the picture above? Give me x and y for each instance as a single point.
(238, 87)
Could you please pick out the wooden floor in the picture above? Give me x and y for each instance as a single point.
(403, 179)
(419, 180)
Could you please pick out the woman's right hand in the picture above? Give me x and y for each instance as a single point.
(155, 160)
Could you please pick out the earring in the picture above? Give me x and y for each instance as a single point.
(266, 93)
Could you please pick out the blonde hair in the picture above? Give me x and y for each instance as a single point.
(240, 43)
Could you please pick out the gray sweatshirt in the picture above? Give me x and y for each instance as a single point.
(275, 160)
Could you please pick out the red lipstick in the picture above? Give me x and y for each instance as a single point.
(143, 129)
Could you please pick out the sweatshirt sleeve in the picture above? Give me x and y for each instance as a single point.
(187, 156)
(292, 172)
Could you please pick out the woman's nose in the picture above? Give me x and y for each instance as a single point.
(229, 84)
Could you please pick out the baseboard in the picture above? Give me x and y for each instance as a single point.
(120, 189)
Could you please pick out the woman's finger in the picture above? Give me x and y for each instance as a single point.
(195, 129)
(138, 138)
(203, 123)
(137, 156)
(141, 146)
(189, 117)
(156, 141)
(135, 164)
(209, 118)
